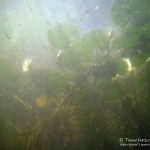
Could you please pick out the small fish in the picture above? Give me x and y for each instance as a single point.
(48, 23)
(6, 35)
(139, 51)
(86, 9)
(29, 6)
(19, 25)
(45, 47)
(17, 10)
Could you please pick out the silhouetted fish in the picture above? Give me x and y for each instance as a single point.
(6, 35)
(86, 9)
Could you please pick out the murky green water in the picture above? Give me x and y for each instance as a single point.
(74, 75)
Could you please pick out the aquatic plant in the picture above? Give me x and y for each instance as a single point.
(92, 96)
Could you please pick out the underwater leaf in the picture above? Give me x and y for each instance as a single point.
(95, 39)
(123, 10)
(62, 35)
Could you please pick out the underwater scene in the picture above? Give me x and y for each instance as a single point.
(74, 74)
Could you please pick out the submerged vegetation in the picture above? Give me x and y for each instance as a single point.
(97, 92)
